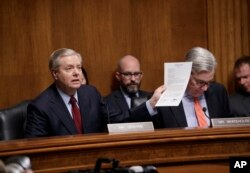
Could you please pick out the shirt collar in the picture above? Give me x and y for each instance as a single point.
(66, 97)
(186, 95)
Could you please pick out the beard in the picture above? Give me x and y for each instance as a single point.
(131, 88)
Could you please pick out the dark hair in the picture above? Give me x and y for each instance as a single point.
(242, 60)
(85, 75)
(238, 63)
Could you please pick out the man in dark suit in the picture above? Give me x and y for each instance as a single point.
(215, 105)
(122, 102)
(203, 99)
(240, 100)
(66, 107)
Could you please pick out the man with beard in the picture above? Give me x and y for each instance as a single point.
(122, 103)
(203, 99)
(240, 100)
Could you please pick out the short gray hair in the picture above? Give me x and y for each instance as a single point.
(202, 59)
(54, 63)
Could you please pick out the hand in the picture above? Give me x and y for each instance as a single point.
(156, 96)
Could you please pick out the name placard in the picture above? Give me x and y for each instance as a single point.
(130, 127)
(237, 121)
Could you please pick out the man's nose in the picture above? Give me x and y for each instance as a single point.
(242, 81)
(205, 87)
(77, 71)
(133, 77)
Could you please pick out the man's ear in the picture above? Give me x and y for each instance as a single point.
(117, 76)
(54, 74)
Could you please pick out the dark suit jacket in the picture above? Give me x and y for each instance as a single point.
(118, 110)
(49, 116)
(217, 105)
(240, 104)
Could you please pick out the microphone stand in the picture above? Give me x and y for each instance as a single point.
(204, 109)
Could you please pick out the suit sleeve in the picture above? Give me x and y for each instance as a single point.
(36, 124)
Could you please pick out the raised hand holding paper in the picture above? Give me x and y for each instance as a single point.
(176, 77)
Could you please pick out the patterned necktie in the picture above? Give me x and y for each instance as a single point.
(76, 114)
(199, 113)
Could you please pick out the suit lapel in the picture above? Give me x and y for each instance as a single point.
(59, 108)
(179, 115)
(121, 100)
(210, 103)
(85, 107)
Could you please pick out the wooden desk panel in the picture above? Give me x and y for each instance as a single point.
(175, 150)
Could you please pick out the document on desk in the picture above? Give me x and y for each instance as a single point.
(176, 77)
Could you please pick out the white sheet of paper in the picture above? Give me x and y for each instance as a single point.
(176, 77)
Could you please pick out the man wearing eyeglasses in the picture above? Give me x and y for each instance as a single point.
(240, 100)
(122, 102)
(203, 99)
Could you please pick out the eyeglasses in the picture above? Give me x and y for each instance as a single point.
(128, 75)
(201, 83)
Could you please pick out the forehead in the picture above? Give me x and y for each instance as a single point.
(130, 64)
(71, 59)
(243, 69)
(204, 75)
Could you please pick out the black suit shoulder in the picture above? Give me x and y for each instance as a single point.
(119, 111)
(49, 116)
(48, 94)
(217, 102)
(239, 103)
(217, 88)
(117, 107)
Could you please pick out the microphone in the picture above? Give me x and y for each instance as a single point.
(18, 164)
(141, 169)
(105, 104)
(204, 109)
(118, 169)
(136, 169)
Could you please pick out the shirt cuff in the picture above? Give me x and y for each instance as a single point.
(152, 111)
